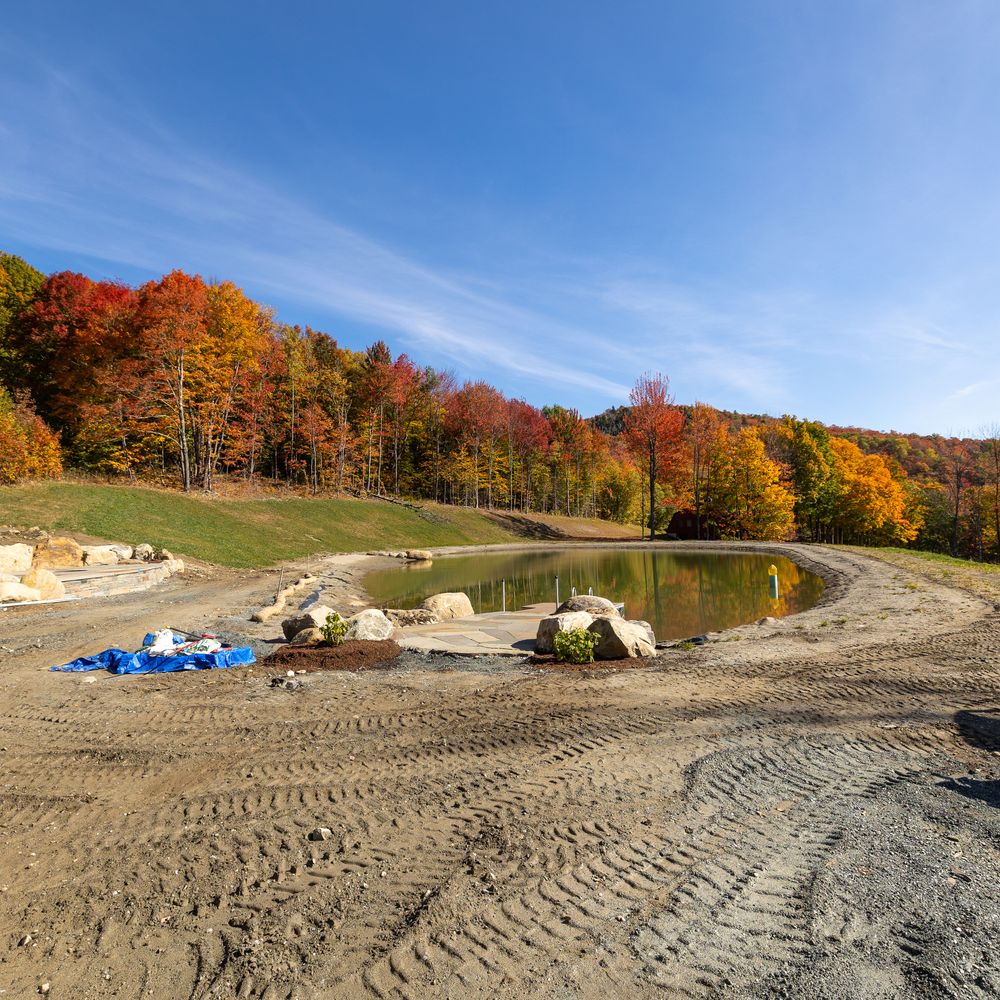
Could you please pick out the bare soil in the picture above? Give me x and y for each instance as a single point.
(805, 808)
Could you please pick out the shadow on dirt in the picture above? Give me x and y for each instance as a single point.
(980, 729)
(970, 788)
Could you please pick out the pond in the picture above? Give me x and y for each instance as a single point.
(680, 593)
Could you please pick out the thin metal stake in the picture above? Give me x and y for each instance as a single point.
(557, 591)
(503, 593)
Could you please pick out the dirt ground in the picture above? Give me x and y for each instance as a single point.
(806, 808)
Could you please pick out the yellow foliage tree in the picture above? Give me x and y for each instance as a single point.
(871, 506)
(748, 498)
(28, 448)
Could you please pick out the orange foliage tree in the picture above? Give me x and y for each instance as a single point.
(654, 427)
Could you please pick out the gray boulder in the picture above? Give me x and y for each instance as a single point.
(370, 624)
(315, 617)
(549, 627)
(596, 606)
(447, 606)
(618, 639)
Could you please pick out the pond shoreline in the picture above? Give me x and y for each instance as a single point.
(679, 588)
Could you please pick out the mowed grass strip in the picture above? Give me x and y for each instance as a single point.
(236, 532)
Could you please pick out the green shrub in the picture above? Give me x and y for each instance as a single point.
(334, 630)
(575, 645)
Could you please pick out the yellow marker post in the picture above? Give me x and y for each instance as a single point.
(772, 579)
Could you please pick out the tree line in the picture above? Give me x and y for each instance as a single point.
(190, 381)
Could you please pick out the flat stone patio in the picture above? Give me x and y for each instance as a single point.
(495, 633)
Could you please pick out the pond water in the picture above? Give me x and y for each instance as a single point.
(680, 594)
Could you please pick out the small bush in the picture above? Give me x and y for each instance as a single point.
(575, 645)
(334, 630)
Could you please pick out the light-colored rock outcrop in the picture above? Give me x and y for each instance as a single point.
(596, 606)
(45, 582)
(447, 606)
(315, 617)
(100, 555)
(419, 555)
(58, 553)
(549, 627)
(15, 558)
(144, 552)
(650, 634)
(618, 639)
(370, 624)
(124, 552)
(18, 592)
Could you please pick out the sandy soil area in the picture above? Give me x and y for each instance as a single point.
(799, 809)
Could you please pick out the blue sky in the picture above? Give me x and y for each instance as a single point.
(786, 207)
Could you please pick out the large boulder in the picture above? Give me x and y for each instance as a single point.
(16, 592)
(369, 624)
(144, 552)
(9, 578)
(58, 553)
(618, 639)
(548, 628)
(45, 582)
(447, 606)
(412, 616)
(419, 555)
(15, 558)
(124, 552)
(100, 555)
(596, 606)
(307, 635)
(650, 634)
(315, 617)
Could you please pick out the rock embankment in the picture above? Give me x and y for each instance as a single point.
(29, 572)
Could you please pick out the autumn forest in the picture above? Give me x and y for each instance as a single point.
(191, 383)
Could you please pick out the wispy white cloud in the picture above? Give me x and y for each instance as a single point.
(88, 175)
(79, 182)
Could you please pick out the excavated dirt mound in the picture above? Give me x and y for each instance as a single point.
(807, 813)
(351, 655)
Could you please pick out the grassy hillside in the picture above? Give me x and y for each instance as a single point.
(238, 532)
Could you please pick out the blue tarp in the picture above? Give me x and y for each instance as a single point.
(118, 661)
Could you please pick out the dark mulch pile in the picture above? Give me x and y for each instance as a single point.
(354, 654)
(547, 661)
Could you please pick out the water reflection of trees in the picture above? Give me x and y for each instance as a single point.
(680, 594)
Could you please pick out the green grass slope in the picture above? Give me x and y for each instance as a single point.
(237, 532)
